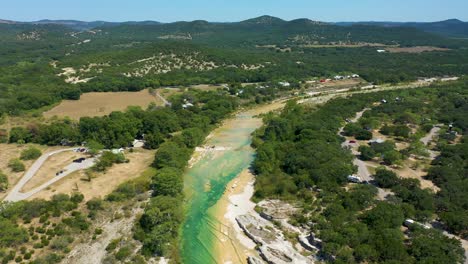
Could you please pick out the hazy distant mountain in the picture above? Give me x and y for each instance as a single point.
(450, 27)
(2, 21)
(75, 24)
(80, 25)
(260, 31)
(264, 20)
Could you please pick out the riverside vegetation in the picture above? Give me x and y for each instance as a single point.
(300, 158)
(298, 150)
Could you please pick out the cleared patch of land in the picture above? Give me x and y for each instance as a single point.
(100, 104)
(344, 45)
(206, 87)
(102, 183)
(53, 165)
(13, 151)
(417, 49)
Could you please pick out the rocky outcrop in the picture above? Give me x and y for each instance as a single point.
(274, 248)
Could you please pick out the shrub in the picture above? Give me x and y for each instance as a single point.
(11, 234)
(391, 157)
(107, 159)
(386, 178)
(30, 153)
(27, 255)
(16, 165)
(363, 135)
(3, 182)
(61, 243)
(123, 253)
(367, 153)
(94, 204)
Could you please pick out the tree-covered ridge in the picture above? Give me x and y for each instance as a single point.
(269, 31)
(52, 62)
(300, 158)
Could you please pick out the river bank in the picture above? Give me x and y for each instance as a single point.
(224, 156)
(235, 246)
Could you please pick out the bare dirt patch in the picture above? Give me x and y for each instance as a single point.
(103, 183)
(334, 84)
(100, 104)
(344, 45)
(206, 87)
(418, 49)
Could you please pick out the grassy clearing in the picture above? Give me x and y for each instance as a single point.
(102, 184)
(100, 104)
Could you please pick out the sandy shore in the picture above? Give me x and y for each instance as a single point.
(233, 246)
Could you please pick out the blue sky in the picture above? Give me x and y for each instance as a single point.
(234, 10)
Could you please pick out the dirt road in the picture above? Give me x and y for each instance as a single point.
(428, 138)
(16, 195)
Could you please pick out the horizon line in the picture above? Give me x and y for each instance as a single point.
(176, 21)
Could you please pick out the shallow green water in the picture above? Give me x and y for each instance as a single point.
(200, 229)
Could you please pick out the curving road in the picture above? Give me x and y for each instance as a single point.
(363, 172)
(16, 195)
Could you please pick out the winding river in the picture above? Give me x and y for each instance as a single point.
(226, 153)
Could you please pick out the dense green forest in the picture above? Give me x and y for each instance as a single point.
(130, 57)
(300, 158)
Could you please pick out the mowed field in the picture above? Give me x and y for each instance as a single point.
(100, 104)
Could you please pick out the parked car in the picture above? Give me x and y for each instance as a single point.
(79, 160)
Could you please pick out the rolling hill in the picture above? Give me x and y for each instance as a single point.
(449, 28)
(265, 30)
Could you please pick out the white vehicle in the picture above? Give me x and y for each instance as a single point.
(409, 222)
(354, 179)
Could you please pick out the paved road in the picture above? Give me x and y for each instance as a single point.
(363, 171)
(16, 195)
(167, 103)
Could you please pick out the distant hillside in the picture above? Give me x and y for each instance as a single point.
(79, 25)
(271, 31)
(449, 28)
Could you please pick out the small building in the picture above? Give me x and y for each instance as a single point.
(284, 84)
(381, 51)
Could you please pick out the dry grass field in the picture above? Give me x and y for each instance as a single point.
(100, 104)
(53, 165)
(12, 151)
(102, 183)
(418, 49)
